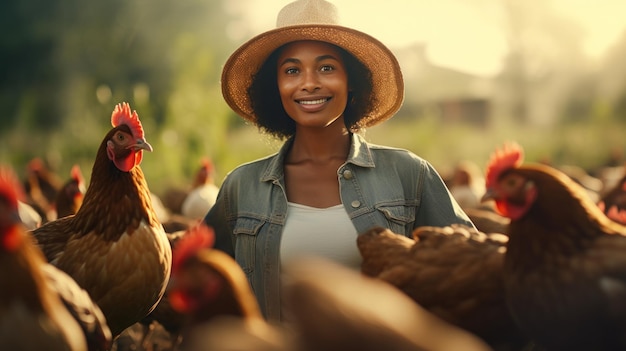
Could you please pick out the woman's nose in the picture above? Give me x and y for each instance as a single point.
(310, 81)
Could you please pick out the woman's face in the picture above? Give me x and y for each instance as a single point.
(313, 83)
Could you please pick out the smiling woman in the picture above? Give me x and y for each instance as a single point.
(316, 84)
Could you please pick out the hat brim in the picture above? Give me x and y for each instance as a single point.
(245, 62)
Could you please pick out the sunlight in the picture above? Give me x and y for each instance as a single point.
(465, 35)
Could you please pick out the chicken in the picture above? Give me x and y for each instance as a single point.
(203, 193)
(70, 196)
(114, 246)
(467, 184)
(208, 283)
(41, 307)
(210, 288)
(335, 308)
(41, 186)
(591, 184)
(565, 265)
(454, 272)
(29, 216)
(613, 201)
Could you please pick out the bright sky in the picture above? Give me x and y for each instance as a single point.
(461, 34)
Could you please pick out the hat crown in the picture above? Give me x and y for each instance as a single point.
(307, 12)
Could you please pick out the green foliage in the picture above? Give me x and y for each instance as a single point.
(581, 144)
(72, 61)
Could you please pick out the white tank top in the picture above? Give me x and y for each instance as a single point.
(323, 232)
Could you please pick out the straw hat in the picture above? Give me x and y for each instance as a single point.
(314, 20)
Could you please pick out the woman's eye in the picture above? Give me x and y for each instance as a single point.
(291, 70)
(326, 68)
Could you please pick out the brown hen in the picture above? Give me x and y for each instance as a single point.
(114, 246)
(207, 282)
(41, 186)
(41, 307)
(613, 201)
(454, 272)
(70, 196)
(210, 288)
(565, 266)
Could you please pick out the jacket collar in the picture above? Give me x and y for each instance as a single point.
(359, 155)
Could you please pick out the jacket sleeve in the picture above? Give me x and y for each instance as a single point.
(217, 218)
(437, 205)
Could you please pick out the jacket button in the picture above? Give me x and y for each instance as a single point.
(355, 203)
(347, 174)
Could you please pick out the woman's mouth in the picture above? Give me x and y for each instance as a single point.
(313, 102)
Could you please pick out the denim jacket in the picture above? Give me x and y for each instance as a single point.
(380, 186)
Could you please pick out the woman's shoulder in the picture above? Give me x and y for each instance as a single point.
(394, 153)
(252, 169)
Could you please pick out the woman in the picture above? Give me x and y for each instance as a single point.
(316, 84)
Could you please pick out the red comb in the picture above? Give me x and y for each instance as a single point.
(77, 175)
(197, 237)
(36, 164)
(123, 115)
(10, 187)
(511, 155)
(207, 164)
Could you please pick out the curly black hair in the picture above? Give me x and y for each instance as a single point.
(271, 116)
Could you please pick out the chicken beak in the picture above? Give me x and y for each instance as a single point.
(141, 144)
(490, 194)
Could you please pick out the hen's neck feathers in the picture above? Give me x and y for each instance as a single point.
(122, 197)
(24, 279)
(562, 207)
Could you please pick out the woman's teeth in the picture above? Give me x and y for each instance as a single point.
(312, 102)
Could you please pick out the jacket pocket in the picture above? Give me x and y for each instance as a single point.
(246, 231)
(400, 218)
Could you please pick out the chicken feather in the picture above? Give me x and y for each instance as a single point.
(454, 272)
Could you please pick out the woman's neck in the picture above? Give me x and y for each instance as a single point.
(319, 145)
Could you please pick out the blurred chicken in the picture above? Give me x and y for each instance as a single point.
(208, 283)
(203, 192)
(70, 196)
(591, 184)
(467, 184)
(454, 272)
(565, 266)
(41, 307)
(41, 186)
(613, 202)
(333, 308)
(210, 288)
(114, 246)
(29, 216)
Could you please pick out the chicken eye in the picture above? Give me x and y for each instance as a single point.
(514, 181)
(511, 182)
(120, 137)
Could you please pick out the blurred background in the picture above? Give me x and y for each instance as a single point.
(549, 74)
